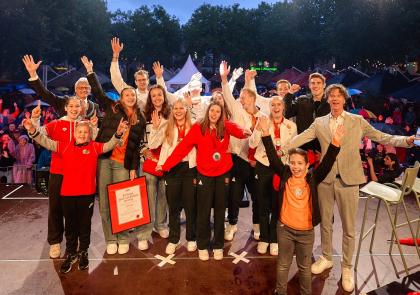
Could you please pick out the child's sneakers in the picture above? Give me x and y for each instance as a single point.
(218, 254)
(274, 249)
(68, 263)
(203, 254)
(191, 246)
(83, 260)
(262, 247)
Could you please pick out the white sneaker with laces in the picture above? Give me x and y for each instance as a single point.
(143, 245)
(55, 250)
(262, 247)
(123, 248)
(171, 248)
(347, 280)
(203, 255)
(163, 233)
(274, 249)
(256, 230)
(321, 265)
(111, 248)
(218, 254)
(230, 231)
(191, 246)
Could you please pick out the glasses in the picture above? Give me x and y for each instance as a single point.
(83, 87)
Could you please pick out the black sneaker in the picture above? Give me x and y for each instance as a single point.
(83, 260)
(67, 264)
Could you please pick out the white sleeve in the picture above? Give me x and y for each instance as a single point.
(255, 139)
(116, 78)
(171, 96)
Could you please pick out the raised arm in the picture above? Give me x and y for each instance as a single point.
(57, 102)
(116, 78)
(384, 138)
(236, 130)
(97, 90)
(306, 136)
(42, 139)
(156, 135)
(230, 101)
(262, 102)
(275, 162)
(115, 139)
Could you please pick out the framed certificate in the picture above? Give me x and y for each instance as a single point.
(128, 204)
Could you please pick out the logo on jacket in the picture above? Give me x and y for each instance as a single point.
(85, 152)
(64, 129)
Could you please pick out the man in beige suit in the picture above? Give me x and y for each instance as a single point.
(342, 183)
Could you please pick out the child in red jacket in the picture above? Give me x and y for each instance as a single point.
(211, 138)
(79, 160)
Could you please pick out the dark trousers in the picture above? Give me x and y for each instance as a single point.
(268, 211)
(301, 242)
(211, 191)
(242, 175)
(180, 193)
(78, 213)
(55, 211)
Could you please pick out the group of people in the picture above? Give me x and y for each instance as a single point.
(199, 153)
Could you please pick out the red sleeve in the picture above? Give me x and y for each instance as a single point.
(183, 148)
(98, 147)
(15, 113)
(234, 129)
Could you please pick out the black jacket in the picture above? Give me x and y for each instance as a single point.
(313, 178)
(305, 109)
(58, 102)
(113, 115)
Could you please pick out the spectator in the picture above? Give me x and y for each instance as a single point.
(391, 171)
(410, 116)
(397, 116)
(25, 157)
(7, 148)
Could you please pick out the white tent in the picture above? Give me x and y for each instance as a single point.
(184, 76)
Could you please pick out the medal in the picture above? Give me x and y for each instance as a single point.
(216, 156)
(298, 192)
(277, 142)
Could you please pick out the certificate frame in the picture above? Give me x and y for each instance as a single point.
(137, 187)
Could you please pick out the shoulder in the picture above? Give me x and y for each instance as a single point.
(289, 123)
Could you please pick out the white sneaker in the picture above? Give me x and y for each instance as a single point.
(123, 248)
(274, 249)
(203, 255)
(171, 248)
(143, 245)
(111, 248)
(218, 254)
(347, 280)
(55, 251)
(163, 233)
(262, 247)
(191, 246)
(256, 230)
(321, 265)
(230, 231)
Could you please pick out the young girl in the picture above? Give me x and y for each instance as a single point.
(281, 131)
(211, 138)
(79, 160)
(121, 163)
(298, 205)
(157, 103)
(180, 181)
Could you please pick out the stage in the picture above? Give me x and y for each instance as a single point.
(25, 267)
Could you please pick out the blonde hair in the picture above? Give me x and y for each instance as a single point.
(169, 132)
(283, 81)
(85, 123)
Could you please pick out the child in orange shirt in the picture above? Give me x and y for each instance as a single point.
(298, 204)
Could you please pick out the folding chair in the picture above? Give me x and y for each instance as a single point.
(390, 194)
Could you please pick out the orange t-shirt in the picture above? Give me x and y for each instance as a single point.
(118, 153)
(296, 211)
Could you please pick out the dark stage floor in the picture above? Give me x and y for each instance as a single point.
(25, 267)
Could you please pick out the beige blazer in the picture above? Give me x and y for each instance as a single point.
(348, 163)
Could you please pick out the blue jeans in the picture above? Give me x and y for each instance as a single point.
(110, 171)
(157, 205)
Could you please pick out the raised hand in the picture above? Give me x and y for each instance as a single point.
(410, 140)
(224, 70)
(117, 47)
(263, 124)
(30, 65)
(122, 127)
(237, 73)
(187, 98)
(294, 88)
(196, 76)
(133, 174)
(158, 69)
(156, 119)
(36, 112)
(27, 123)
(338, 135)
(87, 63)
(250, 74)
(94, 119)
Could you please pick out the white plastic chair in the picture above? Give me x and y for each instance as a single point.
(390, 194)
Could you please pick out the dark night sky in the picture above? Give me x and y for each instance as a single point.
(179, 8)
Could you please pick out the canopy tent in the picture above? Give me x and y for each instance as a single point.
(287, 74)
(184, 76)
(411, 93)
(71, 78)
(381, 83)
